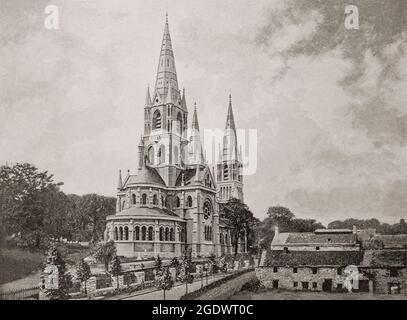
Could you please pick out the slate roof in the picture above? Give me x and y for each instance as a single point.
(392, 241)
(148, 212)
(312, 258)
(189, 176)
(312, 238)
(146, 175)
(384, 258)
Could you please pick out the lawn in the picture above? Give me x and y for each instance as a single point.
(17, 263)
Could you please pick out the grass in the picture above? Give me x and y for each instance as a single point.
(17, 263)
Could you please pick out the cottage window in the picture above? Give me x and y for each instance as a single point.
(339, 271)
(275, 269)
(317, 248)
(295, 284)
(295, 270)
(314, 285)
(314, 270)
(305, 285)
(275, 284)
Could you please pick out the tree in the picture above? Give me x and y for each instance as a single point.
(214, 263)
(105, 253)
(185, 271)
(158, 263)
(165, 280)
(116, 269)
(239, 219)
(64, 281)
(24, 202)
(83, 272)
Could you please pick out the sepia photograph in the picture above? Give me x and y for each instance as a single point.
(218, 150)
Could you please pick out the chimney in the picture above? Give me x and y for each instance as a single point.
(276, 231)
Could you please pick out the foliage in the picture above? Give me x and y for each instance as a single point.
(83, 272)
(164, 280)
(214, 263)
(64, 279)
(382, 228)
(104, 253)
(158, 263)
(174, 262)
(286, 221)
(36, 211)
(239, 219)
(116, 269)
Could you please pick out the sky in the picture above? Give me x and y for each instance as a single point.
(328, 103)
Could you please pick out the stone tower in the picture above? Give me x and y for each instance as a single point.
(229, 167)
(165, 118)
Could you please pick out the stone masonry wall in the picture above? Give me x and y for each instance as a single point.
(228, 288)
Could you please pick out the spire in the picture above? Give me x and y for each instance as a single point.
(183, 100)
(230, 150)
(195, 123)
(148, 98)
(230, 120)
(120, 184)
(141, 159)
(195, 151)
(166, 72)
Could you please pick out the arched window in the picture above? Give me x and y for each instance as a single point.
(172, 238)
(161, 234)
(207, 210)
(167, 234)
(150, 233)
(161, 154)
(116, 235)
(126, 233)
(150, 155)
(157, 120)
(137, 233)
(155, 200)
(225, 172)
(144, 199)
(177, 202)
(134, 198)
(120, 233)
(189, 201)
(143, 233)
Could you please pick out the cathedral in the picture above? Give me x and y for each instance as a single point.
(172, 205)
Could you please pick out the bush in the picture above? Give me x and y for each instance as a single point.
(253, 285)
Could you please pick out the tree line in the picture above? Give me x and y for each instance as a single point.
(285, 219)
(35, 210)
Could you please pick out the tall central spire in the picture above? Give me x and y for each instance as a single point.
(166, 72)
(230, 136)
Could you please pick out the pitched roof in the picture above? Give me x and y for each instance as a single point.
(392, 241)
(147, 212)
(146, 175)
(312, 238)
(312, 258)
(384, 258)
